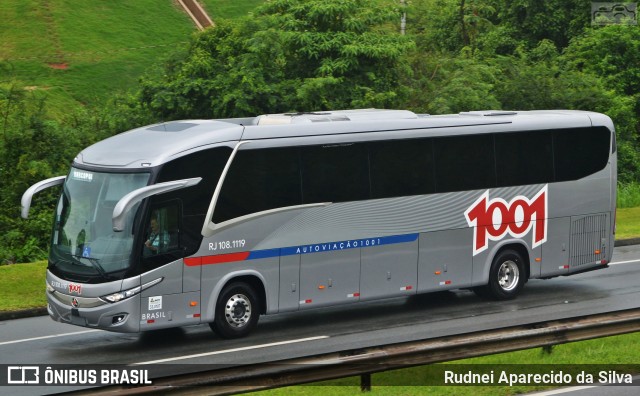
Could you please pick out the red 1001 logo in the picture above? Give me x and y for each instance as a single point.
(495, 218)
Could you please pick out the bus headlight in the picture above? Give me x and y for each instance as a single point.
(123, 295)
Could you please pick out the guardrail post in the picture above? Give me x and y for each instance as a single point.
(365, 382)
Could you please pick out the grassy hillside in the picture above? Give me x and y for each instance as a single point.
(83, 51)
(229, 9)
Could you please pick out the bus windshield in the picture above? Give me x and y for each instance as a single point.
(84, 246)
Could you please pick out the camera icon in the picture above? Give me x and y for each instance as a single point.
(614, 13)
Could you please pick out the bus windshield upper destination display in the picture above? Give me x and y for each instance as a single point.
(221, 221)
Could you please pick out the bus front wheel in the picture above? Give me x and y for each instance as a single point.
(237, 311)
(506, 277)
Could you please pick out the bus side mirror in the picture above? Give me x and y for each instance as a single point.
(36, 188)
(126, 203)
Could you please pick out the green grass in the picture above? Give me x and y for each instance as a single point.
(22, 286)
(229, 9)
(105, 46)
(628, 195)
(628, 223)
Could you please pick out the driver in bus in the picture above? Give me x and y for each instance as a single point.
(157, 238)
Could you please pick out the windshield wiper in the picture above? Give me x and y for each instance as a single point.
(95, 264)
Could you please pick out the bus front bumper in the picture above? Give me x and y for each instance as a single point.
(123, 316)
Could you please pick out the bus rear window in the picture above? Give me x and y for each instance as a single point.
(580, 152)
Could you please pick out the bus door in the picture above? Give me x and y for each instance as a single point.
(174, 301)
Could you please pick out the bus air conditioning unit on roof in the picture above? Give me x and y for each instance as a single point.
(332, 116)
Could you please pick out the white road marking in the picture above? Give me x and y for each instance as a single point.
(563, 390)
(45, 337)
(233, 350)
(624, 262)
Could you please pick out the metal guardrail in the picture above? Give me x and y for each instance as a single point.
(365, 361)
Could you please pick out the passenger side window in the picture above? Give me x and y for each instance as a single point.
(259, 180)
(401, 168)
(464, 163)
(580, 152)
(524, 158)
(334, 173)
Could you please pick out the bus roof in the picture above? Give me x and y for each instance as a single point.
(153, 145)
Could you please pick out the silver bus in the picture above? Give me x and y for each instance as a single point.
(221, 221)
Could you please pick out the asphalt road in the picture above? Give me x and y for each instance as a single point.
(39, 340)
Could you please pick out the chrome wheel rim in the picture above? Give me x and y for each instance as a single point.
(237, 310)
(508, 275)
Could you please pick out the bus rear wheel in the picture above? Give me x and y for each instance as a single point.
(237, 311)
(506, 277)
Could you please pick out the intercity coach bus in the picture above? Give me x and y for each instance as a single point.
(220, 221)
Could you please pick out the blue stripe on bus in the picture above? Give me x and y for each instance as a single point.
(332, 246)
(262, 254)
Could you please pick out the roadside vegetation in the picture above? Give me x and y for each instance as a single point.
(628, 223)
(22, 286)
(629, 195)
(628, 214)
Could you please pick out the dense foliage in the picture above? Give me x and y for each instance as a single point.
(289, 56)
(295, 55)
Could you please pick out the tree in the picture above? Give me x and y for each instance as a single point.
(474, 18)
(610, 52)
(29, 149)
(442, 85)
(291, 55)
(534, 20)
(32, 148)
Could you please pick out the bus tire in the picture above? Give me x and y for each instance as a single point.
(237, 311)
(507, 277)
